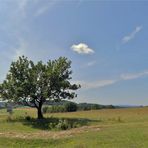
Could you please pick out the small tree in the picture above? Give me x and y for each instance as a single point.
(33, 84)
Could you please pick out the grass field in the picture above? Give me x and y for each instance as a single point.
(110, 128)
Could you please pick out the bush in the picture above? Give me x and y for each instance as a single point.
(70, 107)
(53, 109)
(56, 109)
(28, 118)
(45, 109)
(62, 125)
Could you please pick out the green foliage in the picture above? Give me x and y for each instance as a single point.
(28, 118)
(109, 107)
(89, 106)
(54, 109)
(31, 84)
(62, 125)
(96, 106)
(70, 107)
(57, 109)
(45, 109)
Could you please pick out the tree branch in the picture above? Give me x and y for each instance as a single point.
(29, 104)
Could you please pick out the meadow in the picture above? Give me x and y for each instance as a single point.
(106, 128)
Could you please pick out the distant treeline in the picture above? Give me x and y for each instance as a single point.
(63, 106)
(67, 106)
(90, 106)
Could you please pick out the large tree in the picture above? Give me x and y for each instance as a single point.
(33, 84)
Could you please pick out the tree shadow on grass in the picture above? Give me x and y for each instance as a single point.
(53, 123)
(58, 123)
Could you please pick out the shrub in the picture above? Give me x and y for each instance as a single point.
(28, 118)
(70, 107)
(62, 125)
(45, 109)
(56, 109)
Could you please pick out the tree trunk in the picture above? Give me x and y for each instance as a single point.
(40, 114)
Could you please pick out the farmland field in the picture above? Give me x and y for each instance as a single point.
(108, 128)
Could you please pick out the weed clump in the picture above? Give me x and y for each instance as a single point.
(62, 125)
(119, 119)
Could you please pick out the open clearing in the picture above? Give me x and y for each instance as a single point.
(110, 128)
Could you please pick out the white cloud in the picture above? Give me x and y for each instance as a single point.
(43, 9)
(104, 83)
(22, 4)
(21, 50)
(37, 7)
(82, 49)
(91, 63)
(95, 84)
(133, 76)
(131, 35)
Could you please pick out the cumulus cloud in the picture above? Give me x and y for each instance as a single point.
(82, 48)
(131, 35)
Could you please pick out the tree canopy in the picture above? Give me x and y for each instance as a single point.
(34, 83)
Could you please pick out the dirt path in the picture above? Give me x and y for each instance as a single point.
(50, 134)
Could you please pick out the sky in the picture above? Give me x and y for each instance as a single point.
(105, 40)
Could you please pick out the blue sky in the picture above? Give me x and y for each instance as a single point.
(106, 41)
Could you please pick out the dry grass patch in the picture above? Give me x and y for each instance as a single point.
(50, 134)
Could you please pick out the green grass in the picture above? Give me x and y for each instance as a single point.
(119, 128)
